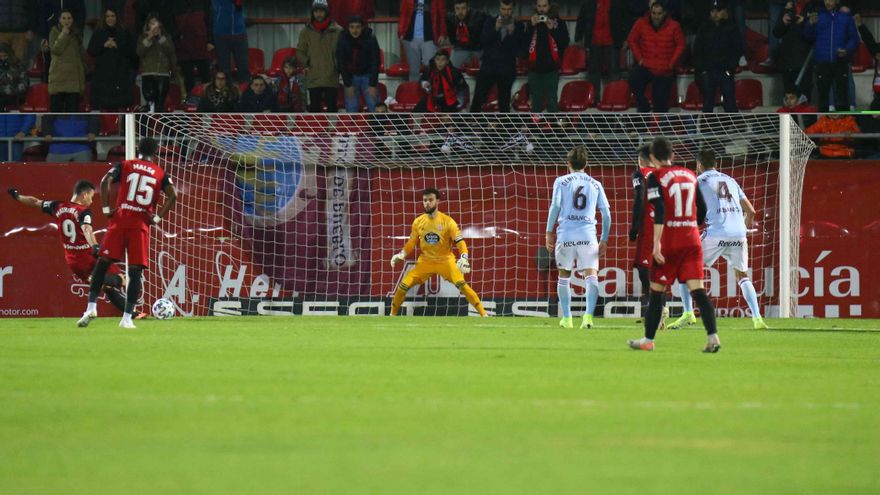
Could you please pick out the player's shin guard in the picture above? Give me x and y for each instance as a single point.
(656, 301)
(397, 300)
(686, 300)
(473, 298)
(592, 293)
(707, 311)
(135, 274)
(564, 290)
(116, 297)
(97, 281)
(751, 296)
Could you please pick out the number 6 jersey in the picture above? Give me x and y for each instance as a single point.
(140, 183)
(576, 197)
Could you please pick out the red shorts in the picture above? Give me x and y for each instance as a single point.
(644, 253)
(120, 240)
(681, 264)
(83, 265)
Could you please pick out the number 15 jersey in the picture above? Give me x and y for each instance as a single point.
(140, 183)
(576, 196)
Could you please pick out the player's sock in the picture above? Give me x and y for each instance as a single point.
(656, 302)
(707, 311)
(134, 288)
(564, 290)
(686, 300)
(751, 296)
(397, 300)
(116, 298)
(97, 282)
(92, 307)
(592, 293)
(473, 298)
(646, 283)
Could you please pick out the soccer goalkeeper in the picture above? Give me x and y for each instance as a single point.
(436, 234)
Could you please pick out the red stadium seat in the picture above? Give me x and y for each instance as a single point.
(749, 94)
(574, 60)
(228, 123)
(521, 99)
(693, 99)
(110, 123)
(400, 69)
(36, 153)
(491, 104)
(38, 66)
(116, 153)
(577, 96)
(351, 124)
(37, 99)
(85, 99)
(408, 95)
(616, 97)
(270, 124)
(256, 61)
(862, 59)
(471, 66)
(311, 123)
(278, 59)
(381, 61)
(174, 99)
(522, 67)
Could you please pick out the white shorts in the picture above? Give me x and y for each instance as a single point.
(577, 254)
(734, 250)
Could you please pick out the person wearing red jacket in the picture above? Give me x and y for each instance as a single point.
(791, 103)
(343, 9)
(422, 28)
(657, 43)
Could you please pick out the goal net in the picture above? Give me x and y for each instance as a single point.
(300, 214)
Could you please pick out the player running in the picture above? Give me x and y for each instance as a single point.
(436, 234)
(677, 253)
(129, 231)
(729, 213)
(74, 221)
(575, 199)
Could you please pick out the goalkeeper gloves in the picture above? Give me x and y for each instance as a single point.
(397, 258)
(13, 192)
(463, 264)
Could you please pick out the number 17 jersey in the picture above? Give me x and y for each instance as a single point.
(140, 183)
(577, 195)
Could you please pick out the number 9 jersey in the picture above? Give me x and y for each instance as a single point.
(139, 188)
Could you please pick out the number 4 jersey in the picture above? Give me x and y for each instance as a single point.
(140, 183)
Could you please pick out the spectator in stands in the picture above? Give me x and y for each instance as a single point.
(546, 39)
(422, 28)
(67, 72)
(357, 60)
(126, 13)
(162, 9)
(775, 11)
(502, 37)
(465, 27)
(792, 103)
(70, 126)
(17, 26)
(230, 36)
(113, 49)
(288, 91)
(194, 41)
(14, 81)
(874, 49)
(657, 43)
(316, 51)
(870, 124)
(221, 96)
(717, 50)
(443, 85)
(158, 63)
(836, 40)
(258, 98)
(792, 57)
(17, 126)
(344, 9)
(602, 28)
(835, 147)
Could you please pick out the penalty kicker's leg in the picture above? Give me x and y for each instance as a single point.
(655, 309)
(95, 284)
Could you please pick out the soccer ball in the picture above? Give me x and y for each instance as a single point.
(163, 309)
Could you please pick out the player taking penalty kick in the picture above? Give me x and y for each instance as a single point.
(729, 213)
(435, 233)
(677, 253)
(575, 199)
(141, 181)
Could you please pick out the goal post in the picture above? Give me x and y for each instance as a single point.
(299, 214)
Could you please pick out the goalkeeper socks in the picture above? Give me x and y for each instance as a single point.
(656, 302)
(592, 293)
(751, 296)
(134, 288)
(707, 311)
(564, 291)
(97, 281)
(686, 300)
(473, 298)
(397, 300)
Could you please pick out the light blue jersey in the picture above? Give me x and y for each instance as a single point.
(724, 215)
(576, 197)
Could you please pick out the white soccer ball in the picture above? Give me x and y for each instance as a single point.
(163, 309)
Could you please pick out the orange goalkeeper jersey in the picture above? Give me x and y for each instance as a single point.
(436, 236)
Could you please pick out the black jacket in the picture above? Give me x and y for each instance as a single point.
(868, 39)
(586, 20)
(544, 61)
(114, 73)
(251, 102)
(717, 47)
(367, 60)
(793, 47)
(499, 55)
(474, 21)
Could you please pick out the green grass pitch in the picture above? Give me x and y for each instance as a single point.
(436, 405)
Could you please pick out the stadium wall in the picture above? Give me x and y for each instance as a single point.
(839, 231)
